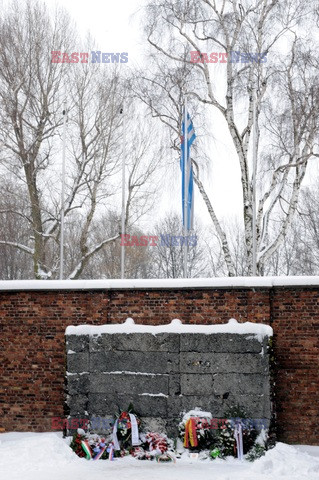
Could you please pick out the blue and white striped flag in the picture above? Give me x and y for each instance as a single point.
(189, 173)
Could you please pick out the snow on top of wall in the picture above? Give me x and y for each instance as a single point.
(176, 326)
(175, 283)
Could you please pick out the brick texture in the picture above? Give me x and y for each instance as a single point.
(33, 350)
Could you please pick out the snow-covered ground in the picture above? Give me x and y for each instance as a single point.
(46, 456)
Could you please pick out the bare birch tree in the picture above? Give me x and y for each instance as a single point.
(251, 31)
(299, 254)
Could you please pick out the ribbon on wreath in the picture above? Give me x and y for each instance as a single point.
(134, 433)
(134, 429)
(110, 451)
(238, 434)
(87, 449)
(190, 437)
(99, 451)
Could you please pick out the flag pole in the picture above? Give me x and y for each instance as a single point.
(255, 146)
(63, 193)
(185, 189)
(123, 196)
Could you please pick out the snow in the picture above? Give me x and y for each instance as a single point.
(46, 456)
(176, 326)
(152, 395)
(197, 412)
(129, 372)
(171, 283)
(311, 449)
(69, 374)
(296, 463)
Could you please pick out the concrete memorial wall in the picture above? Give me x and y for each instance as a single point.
(167, 370)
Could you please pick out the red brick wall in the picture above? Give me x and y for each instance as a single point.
(296, 329)
(32, 344)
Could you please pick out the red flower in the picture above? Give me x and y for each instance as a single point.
(123, 416)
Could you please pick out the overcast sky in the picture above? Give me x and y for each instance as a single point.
(113, 23)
